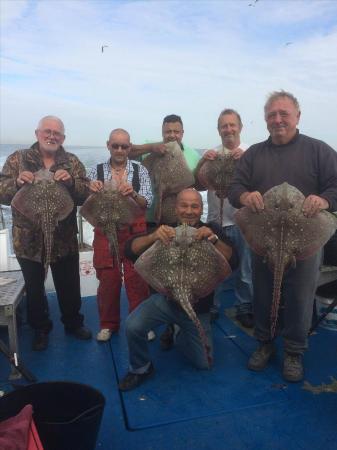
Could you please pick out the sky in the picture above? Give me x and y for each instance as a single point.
(191, 58)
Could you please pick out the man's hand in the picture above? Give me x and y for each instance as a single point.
(313, 204)
(159, 148)
(95, 185)
(237, 153)
(210, 155)
(253, 200)
(125, 189)
(25, 177)
(204, 233)
(165, 234)
(63, 175)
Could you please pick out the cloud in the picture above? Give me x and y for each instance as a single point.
(12, 10)
(189, 58)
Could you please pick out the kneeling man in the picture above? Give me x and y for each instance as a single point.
(158, 309)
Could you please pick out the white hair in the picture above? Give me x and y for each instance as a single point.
(50, 118)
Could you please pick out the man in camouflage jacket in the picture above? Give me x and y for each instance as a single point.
(28, 245)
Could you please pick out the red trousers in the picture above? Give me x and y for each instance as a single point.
(110, 279)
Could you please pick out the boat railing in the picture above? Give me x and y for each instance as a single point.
(2, 219)
(84, 230)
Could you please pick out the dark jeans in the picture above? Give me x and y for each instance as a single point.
(158, 310)
(330, 259)
(298, 292)
(66, 278)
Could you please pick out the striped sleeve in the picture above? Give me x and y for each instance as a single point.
(145, 189)
(92, 173)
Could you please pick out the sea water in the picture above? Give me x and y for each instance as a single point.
(89, 156)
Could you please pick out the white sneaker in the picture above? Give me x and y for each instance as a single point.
(104, 335)
(151, 336)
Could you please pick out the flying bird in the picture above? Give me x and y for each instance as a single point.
(103, 47)
(253, 3)
(287, 43)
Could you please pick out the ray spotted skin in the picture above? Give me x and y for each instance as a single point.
(108, 209)
(216, 175)
(45, 202)
(174, 271)
(169, 174)
(282, 233)
(168, 209)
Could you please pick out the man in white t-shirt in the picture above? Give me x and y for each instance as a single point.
(229, 128)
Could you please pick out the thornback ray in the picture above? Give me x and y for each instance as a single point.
(109, 210)
(216, 175)
(282, 234)
(175, 271)
(169, 174)
(45, 203)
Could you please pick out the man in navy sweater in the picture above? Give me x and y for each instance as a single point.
(311, 166)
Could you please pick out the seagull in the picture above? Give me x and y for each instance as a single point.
(103, 47)
(254, 2)
(287, 43)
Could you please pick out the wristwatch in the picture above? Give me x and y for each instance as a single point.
(134, 195)
(214, 239)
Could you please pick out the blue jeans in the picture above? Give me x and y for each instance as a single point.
(158, 310)
(298, 292)
(242, 277)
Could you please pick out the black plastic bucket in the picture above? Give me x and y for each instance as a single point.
(67, 415)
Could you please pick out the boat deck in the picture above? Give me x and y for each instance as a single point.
(227, 407)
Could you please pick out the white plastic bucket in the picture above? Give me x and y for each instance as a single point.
(330, 321)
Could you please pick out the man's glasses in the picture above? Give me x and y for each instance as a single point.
(118, 146)
(50, 133)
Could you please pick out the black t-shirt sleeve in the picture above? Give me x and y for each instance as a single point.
(128, 250)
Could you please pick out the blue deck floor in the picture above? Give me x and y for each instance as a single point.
(228, 407)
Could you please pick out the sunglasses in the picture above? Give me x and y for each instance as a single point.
(117, 146)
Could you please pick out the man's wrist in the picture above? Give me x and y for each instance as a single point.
(214, 239)
(243, 197)
(324, 203)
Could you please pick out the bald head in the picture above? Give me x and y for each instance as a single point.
(119, 147)
(189, 207)
(119, 131)
(190, 193)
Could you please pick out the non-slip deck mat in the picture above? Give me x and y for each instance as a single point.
(304, 421)
(178, 392)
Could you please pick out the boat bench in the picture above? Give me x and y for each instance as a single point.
(10, 296)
